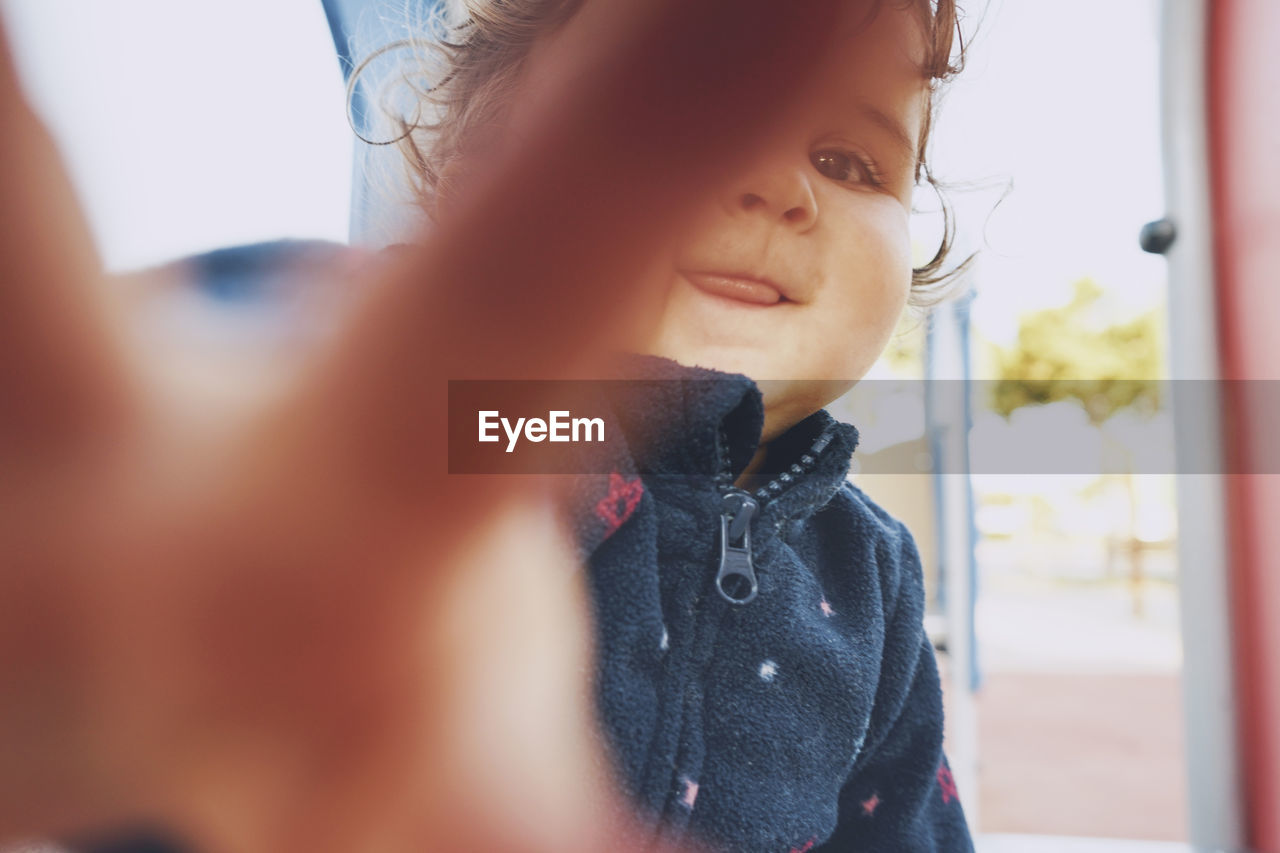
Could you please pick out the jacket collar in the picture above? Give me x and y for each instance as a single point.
(682, 426)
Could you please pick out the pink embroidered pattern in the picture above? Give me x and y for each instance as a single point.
(869, 804)
(947, 783)
(621, 500)
(808, 845)
(827, 609)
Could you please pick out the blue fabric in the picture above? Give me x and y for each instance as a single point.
(809, 718)
(258, 272)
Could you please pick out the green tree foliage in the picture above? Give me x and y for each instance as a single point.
(1070, 352)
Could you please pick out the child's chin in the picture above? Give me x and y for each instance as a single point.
(726, 359)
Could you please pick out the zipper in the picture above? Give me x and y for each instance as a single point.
(736, 578)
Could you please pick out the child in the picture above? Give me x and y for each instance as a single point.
(763, 674)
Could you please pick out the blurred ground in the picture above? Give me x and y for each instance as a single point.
(1077, 754)
(1080, 712)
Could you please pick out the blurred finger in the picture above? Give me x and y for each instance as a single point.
(60, 373)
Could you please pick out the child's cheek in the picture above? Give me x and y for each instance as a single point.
(891, 246)
(876, 273)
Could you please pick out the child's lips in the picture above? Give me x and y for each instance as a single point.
(753, 291)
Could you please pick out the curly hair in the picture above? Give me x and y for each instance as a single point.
(475, 50)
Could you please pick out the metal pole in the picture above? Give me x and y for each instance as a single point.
(1213, 770)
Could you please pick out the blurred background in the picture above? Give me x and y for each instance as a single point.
(173, 117)
(1052, 141)
(1055, 597)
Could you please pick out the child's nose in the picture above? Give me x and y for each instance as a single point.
(784, 194)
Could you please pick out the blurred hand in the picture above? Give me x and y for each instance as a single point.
(282, 625)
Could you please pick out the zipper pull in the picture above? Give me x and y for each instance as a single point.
(736, 579)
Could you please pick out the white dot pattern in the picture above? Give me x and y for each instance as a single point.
(768, 670)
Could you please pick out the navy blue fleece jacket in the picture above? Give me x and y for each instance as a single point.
(808, 718)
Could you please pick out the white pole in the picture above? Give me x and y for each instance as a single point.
(1213, 772)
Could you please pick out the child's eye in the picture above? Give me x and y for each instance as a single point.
(845, 167)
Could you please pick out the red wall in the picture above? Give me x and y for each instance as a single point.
(1245, 144)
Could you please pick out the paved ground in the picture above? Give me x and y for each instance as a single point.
(1094, 755)
(1080, 714)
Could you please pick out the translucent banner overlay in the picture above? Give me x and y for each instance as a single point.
(1035, 427)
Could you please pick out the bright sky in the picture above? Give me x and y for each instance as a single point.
(1059, 104)
(191, 125)
(195, 125)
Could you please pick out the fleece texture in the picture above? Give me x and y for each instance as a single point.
(807, 719)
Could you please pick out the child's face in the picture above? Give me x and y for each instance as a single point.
(799, 269)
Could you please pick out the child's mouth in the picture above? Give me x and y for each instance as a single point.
(752, 291)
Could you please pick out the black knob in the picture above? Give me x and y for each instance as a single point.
(1156, 237)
